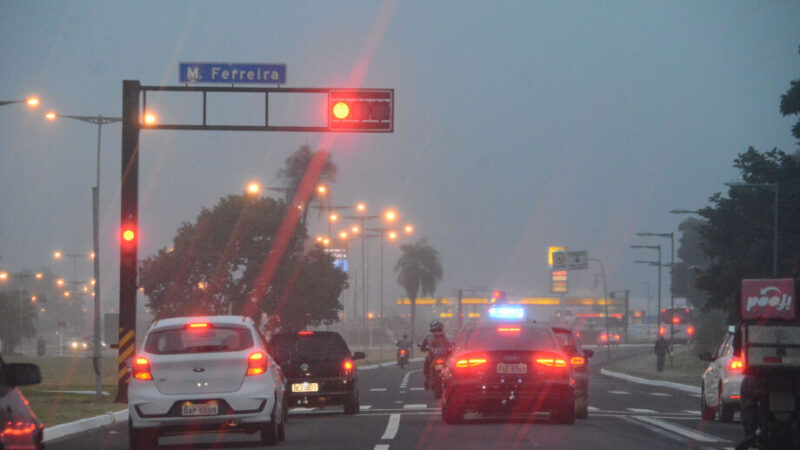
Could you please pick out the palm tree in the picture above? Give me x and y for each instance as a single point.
(295, 168)
(418, 269)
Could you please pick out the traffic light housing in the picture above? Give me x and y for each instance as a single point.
(362, 110)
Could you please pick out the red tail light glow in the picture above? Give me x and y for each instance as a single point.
(348, 365)
(736, 364)
(577, 361)
(198, 325)
(662, 331)
(676, 319)
(256, 364)
(141, 369)
(439, 361)
(305, 333)
(508, 329)
(690, 330)
(470, 361)
(551, 362)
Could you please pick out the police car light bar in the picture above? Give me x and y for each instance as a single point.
(507, 312)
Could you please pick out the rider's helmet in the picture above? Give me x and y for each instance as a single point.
(436, 327)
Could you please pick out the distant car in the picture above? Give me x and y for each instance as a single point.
(579, 360)
(205, 374)
(612, 339)
(76, 344)
(19, 427)
(319, 367)
(721, 381)
(514, 367)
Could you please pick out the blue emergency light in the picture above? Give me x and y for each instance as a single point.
(507, 312)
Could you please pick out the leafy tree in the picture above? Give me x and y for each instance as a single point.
(418, 270)
(737, 235)
(13, 326)
(295, 168)
(692, 259)
(216, 261)
(790, 104)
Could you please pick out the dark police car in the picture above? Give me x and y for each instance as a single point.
(508, 367)
(319, 368)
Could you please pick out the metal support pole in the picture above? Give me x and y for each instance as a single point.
(775, 236)
(671, 296)
(460, 314)
(381, 296)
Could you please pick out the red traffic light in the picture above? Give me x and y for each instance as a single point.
(128, 235)
(361, 110)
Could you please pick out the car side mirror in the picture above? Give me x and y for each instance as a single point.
(570, 350)
(359, 355)
(22, 374)
(705, 356)
(588, 353)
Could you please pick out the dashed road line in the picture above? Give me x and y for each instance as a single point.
(381, 447)
(415, 406)
(660, 394)
(655, 429)
(417, 389)
(593, 409)
(392, 427)
(691, 411)
(377, 390)
(364, 407)
(619, 392)
(679, 430)
(642, 410)
(404, 382)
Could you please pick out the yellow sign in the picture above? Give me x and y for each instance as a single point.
(550, 252)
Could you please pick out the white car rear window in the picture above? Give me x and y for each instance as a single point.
(198, 340)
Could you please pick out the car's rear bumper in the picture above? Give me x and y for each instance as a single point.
(731, 390)
(494, 398)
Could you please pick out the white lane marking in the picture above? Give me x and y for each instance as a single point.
(641, 410)
(404, 383)
(377, 390)
(364, 407)
(392, 427)
(415, 406)
(593, 409)
(654, 429)
(693, 412)
(680, 430)
(302, 409)
(619, 392)
(417, 389)
(381, 447)
(661, 394)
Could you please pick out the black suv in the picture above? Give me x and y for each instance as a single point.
(19, 427)
(319, 369)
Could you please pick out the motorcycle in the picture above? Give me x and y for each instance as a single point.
(402, 357)
(776, 415)
(435, 375)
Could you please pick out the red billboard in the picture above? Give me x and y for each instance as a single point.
(768, 300)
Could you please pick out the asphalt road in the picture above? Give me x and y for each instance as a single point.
(398, 414)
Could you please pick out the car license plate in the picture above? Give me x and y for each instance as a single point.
(512, 369)
(201, 409)
(305, 387)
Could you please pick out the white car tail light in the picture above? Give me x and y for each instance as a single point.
(256, 364)
(141, 368)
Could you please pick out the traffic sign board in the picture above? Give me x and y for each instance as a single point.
(559, 260)
(577, 260)
(230, 73)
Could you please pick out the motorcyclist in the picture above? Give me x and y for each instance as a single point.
(404, 343)
(435, 343)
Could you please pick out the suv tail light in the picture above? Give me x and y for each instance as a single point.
(736, 364)
(577, 361)
(256, 364)
(439, 361)
(473, 360)
(141, 368)
(552, 362)
(347, 365)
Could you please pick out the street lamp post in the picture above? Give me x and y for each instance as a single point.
(362, 219)
(605, 302)
(671, 237)
(33, 102)
(774, 187)
(647, 283)
(658, 248)
(98, 120)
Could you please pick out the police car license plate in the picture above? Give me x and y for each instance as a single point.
(513, 369)
(202, 409)
(305, 387)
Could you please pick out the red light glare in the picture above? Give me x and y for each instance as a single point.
(340, 110)
(141, 369)
(348, 365)
(305, 333)
(509, 329)
(690, 331)
(736, 364)
(198, 325)
(128, 235)
(577, 361)
(551, 362)
(256, 364)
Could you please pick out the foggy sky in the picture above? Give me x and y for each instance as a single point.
(519, 125)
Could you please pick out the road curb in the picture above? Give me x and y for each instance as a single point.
(79, 426)
(650, 382)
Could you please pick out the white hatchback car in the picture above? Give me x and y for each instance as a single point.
(205, 374)
(722, 381)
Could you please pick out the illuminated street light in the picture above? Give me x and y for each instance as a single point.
(392, 235)
(34, 298)
(409, 229)
(91, 255)
(3, 276)
(150, 118)
(322, 189)
(60, 282)
(361, 207)
(390, 215)
(93, 281)
(355, 229)
(343, 235)
(253, 188)
(66, 294)
(57, 254)
(334, 217)
(32, 102)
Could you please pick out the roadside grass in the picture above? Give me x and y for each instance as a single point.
(685, 367)
(70, 373)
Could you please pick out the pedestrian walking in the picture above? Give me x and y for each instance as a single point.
(661, 349)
